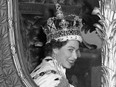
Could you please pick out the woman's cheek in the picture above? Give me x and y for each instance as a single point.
(68, 53)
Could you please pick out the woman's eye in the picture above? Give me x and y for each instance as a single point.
(78, 51)
(71, 50)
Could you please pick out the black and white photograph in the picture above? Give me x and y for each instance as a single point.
(57, 43)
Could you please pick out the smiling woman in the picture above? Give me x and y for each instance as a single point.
(21, 40)
(63, 39)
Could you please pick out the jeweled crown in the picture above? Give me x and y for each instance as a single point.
(63, 27)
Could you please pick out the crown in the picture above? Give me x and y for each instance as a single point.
(63, 27)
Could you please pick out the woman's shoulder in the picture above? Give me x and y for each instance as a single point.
(46, 75)
(47, 66)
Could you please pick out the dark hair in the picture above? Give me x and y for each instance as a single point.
(48, 48)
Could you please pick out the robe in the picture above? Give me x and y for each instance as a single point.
(50, 74)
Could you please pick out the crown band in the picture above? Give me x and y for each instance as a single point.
(65, 34)
(70, 37)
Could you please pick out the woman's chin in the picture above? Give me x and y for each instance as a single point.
(69, 65)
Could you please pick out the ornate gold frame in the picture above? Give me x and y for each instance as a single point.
(12, 67)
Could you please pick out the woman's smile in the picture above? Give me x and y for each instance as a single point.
(71, 62)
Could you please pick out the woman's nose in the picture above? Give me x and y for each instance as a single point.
(74, 55)
(79, 54)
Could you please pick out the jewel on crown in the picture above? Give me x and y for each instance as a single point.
(63, 27)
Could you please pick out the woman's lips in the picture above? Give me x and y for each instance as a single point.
(71, 61)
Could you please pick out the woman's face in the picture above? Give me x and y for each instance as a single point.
(68, 53)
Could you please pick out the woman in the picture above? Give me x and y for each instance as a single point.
(61, 50)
